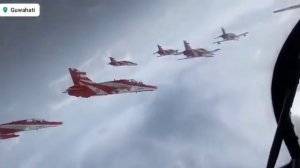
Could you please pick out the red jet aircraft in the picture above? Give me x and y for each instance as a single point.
(163, 52)
(114, 62)
(229, 36)
(196, 53)
(8, 130)
(84, 87)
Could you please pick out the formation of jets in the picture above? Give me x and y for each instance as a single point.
(9, 130)
(189, 52)
(84, 87)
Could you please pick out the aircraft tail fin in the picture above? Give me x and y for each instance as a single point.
(78, 76)
(223, 31)
(112, 59)
(159, 48)
(187, 45)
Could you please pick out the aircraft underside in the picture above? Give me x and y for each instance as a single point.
(20, 127)
(100, 92)
(106, 88)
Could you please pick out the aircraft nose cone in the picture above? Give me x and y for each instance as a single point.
(153, 87)
(56, 123)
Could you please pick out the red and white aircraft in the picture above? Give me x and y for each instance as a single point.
(114, 62)
(229, 36)
(9, 130)
(163, 52)
(84, 87)
(196, 53)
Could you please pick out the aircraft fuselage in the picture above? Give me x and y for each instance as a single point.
(106, 88)
(122, 63)
(8, 130)
(196, 53)
(230, 36)
(167, 52)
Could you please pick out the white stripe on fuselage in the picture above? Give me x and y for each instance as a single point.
(116, 85)
(96, 90)
(120, 87)
(24, 127)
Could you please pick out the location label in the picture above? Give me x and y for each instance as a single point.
(19, 10)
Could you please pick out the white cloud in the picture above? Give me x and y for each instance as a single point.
(86, 64)
(205, 113)
(60, 104)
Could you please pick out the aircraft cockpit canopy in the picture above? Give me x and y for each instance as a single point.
(134, 81)
(35, 120)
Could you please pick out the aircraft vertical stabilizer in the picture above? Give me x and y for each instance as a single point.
(78, 76)
(223, 31)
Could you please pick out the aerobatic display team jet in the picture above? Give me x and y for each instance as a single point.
(229, 36)
(196, 53)
(84, 87)
(162, 52)
(9, 130)
(114, 62)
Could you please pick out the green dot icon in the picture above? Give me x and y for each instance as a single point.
(5, 9)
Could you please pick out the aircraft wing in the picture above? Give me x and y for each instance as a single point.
(109, 87)
(219, 42)
(214, 50)
(202, 50)
(81, 88)
(129, 63)
(176, 53)
(288, 8)
(244, 34)
(7, 136)
(186, 58)
(8, 133)
(195, 57)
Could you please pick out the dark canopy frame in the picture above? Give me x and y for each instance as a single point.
(284, 86)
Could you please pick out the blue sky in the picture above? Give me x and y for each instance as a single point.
(213, 112)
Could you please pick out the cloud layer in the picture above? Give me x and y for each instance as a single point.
(206, 112)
